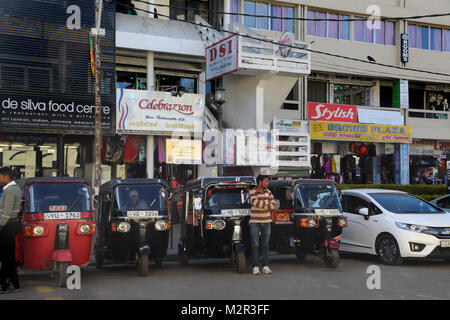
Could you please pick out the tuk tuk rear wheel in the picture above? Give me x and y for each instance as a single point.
(183, 256)
(98, 261)
(143, 265)
(158, 262)
(61, 273)
(240, 261)
(331, 258)
(300, 254)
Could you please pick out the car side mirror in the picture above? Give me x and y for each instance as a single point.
(364, 212)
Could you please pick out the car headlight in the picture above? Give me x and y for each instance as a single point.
(38, 230)
(85, 228)
(412, 227)
(124, 227)
(218, 225)
(161, 225)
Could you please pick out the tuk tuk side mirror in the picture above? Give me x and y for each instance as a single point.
(108, 196)
(197, 203)
(277, 204)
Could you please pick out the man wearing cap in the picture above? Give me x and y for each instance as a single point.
(135, 203)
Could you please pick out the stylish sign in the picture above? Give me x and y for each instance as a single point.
(144, 112)
(222, 58)
(183, 151)
(359, 132)
(331, 112)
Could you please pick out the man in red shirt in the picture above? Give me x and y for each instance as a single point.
(262, 201)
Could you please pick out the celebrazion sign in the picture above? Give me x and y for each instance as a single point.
(157, 112)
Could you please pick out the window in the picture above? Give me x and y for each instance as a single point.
(444, 203)
(435, 39)
(385, 34)
(317, 91)
(330, 29)
(446, 40)
(352, 204)
(199, 7)
(278, 23)
(349, 94)
(432, 38)
(403, 203)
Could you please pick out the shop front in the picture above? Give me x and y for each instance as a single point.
(347, 149)
(171, 124)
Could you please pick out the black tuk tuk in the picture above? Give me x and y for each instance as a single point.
(308, 219)
(134, 222)
(215, 219)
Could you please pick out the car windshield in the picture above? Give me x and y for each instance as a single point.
(230, 197)
(140, 197)
(403, 203)
(47, 197)
(317, 196)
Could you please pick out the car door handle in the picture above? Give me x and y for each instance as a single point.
(374, 220)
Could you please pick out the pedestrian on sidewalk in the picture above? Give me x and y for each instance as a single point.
(9, 227)
(262, 202)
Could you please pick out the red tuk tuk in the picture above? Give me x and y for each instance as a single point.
(57, 224)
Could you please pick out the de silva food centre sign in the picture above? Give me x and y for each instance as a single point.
(158, 113)
(222, 58)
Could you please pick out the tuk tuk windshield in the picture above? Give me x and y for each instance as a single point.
(317, 196)
(140, 197)
(229, 198)
(58, 196)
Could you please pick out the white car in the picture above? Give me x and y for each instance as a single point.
(394, 225)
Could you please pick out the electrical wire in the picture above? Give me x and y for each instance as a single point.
(433, 15)
(291, 46)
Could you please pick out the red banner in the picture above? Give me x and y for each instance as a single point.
(332, 112)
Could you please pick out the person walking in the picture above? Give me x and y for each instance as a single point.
(262, 201)
(9, 227)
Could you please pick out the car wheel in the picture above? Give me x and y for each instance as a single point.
(388, 251)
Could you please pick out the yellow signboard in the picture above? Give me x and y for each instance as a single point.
(183, 151)
(359, 132)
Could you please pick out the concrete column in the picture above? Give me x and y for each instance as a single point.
(150, 144)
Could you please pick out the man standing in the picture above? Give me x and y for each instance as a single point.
(262, 201)
(9, 227)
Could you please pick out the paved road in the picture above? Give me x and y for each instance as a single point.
(216, 279)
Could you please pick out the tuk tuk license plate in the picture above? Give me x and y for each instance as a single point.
(327, 211)
(142, 214)
(445, 243)
(62, 215)
(235, 212)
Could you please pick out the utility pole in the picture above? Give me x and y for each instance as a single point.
(98, 32)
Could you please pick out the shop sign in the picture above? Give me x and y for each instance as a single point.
(437, 87)
(331, 112)
(157, 112)
(184, 151)
(222, 58)
(341, 78)
(290, 126)
(375, 116)
(404, 47)
(359, 132)
(400, 94)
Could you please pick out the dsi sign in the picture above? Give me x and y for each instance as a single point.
(222, 58)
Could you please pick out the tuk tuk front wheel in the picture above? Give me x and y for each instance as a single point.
(183, 256)
(61, 273)
(331, 258)
(240, 261)
(98, 261)
(143, 265)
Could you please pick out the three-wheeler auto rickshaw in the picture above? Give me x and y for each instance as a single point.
(134, 222)
(215, 219)
(57, 225)
(308, 219)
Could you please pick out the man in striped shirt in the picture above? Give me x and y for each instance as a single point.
(262, 201)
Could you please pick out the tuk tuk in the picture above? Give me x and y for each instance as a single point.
(215, 219)
(308, 219)
(57, 225)
(134, 222)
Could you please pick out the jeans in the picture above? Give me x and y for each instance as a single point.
(255, 229)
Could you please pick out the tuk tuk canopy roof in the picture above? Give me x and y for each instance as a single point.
(110, 185)
(22, 183)
(290, 182)
(204, 182)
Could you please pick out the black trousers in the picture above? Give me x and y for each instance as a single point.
(8, 269)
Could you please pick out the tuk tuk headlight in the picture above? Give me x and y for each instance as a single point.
(219, 225)
(85, 228)
(124, 227)
(161, 225)
(312, 222)
(38, 231)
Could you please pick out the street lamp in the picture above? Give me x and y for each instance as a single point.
(219, 99)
